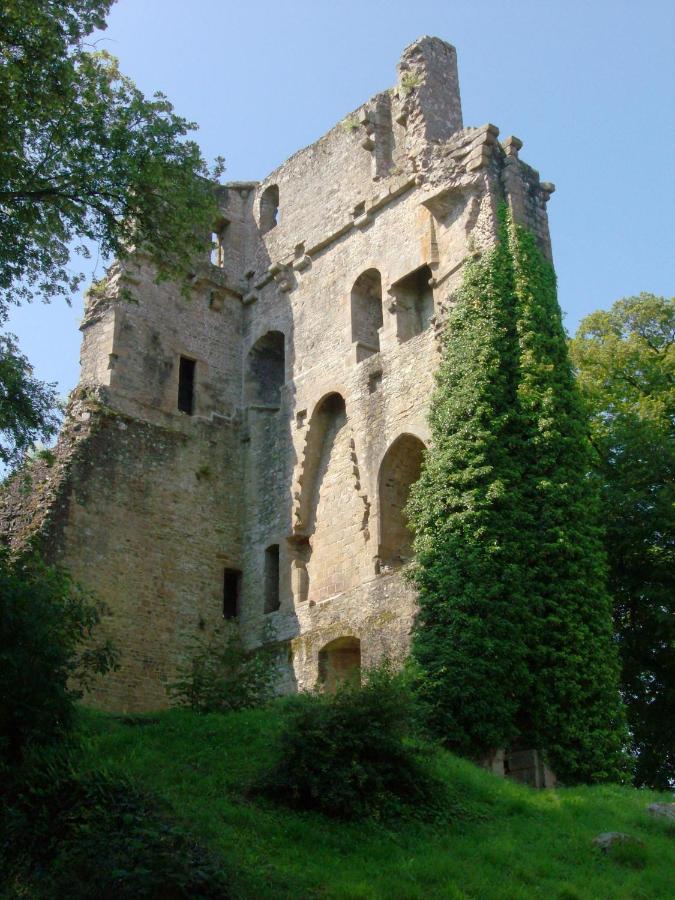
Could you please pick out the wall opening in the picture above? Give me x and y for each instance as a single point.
(328, 418)
(366, 313)
(272, 601)
(414, 303)
(400, 469)
(269, 208)
(329, 509)
(186, 385)
(340, 662)
(266, 370)
(231, 591)
(218, 243)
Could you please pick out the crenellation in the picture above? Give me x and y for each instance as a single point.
(309, 338)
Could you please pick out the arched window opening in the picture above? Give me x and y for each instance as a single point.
(272, 601)
(400, 469)
(366, 313)
(269, 208)
(340, 662)
(218, 243)
(266, 370)
(327, 420)
(414, 303)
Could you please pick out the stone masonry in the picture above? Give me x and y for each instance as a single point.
(239, 454)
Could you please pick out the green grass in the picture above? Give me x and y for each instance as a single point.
(502, 840)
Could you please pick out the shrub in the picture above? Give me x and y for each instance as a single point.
(65, 833)
(220, 675)
(46, 652)
(349, 754)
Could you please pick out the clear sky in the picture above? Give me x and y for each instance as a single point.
(589, 87)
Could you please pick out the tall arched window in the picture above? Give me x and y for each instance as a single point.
(266, 370)
(400, 469)
(366, 313)
(269, 208)
(330, 508)
(328, 419)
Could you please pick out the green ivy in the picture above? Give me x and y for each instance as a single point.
(514, 636)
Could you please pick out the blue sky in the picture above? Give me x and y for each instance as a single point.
(589, 87)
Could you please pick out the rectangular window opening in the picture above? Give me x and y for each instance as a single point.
(414, 297)
(218, 244)
(272, 602)
(231, 590)
(186, 385)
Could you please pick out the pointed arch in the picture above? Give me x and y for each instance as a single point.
(399, 470)
(329, 416)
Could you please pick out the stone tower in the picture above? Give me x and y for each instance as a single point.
(240, 454)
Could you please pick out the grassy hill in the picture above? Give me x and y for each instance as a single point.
(503, 841)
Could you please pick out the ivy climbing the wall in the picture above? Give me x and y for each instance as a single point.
(514, 636)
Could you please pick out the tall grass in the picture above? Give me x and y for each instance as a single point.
(504, 840)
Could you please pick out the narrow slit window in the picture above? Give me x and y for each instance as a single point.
(272, 578)
(231, 591)
(186, 385)
(218, 244)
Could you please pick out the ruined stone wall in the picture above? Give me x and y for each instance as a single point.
(314, 330)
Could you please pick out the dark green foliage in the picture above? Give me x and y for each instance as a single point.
(470, 639)
(514, 634)
(220, 675)
(348, 754)
(26, 404)
(625, 358)
(574, 708)
(505, 841)
(76, 834)
(84, 156)
(46, 653)
(631, 854)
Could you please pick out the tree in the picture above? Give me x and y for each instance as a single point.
(514, 636)
(46, 653)
(84, 157)
(26, 404)
(625, 358)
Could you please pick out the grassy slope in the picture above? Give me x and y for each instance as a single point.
(508, 841)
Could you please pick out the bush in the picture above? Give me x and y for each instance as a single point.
(350, 754)
(46, 653)
(220, 675)
(65, 833)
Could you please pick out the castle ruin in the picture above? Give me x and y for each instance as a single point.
(240, 455)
